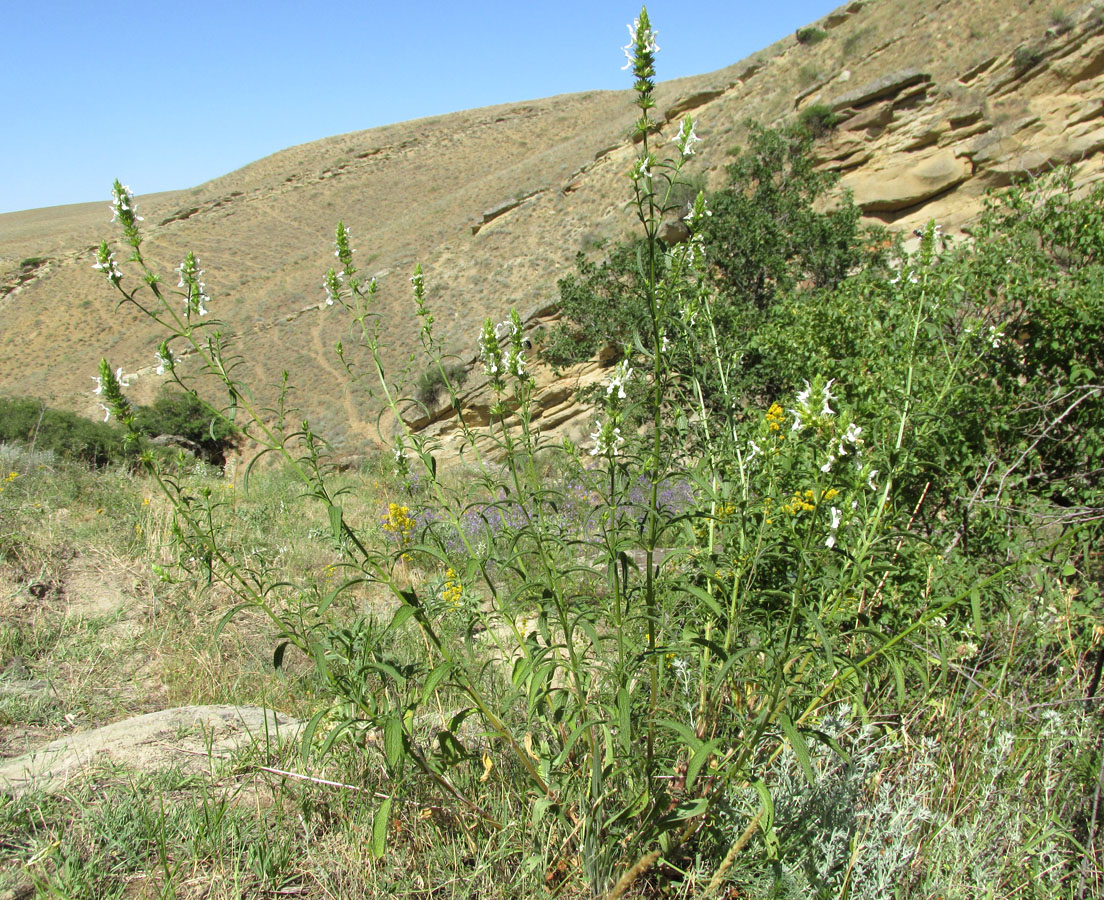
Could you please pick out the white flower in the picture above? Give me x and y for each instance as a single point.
(686, 139)
(107, 412)
(694, 214)
(189, 271)
(617, 381)
(109, 267)
(513, 361)
(826, 410)
(506, 329)
(827, 467)
(607, 439)
(332, 285)
(190, 274)
(870, 480)
(995, 337)
(630, 48)
(833, 526)
(122, 201)
(852, 437)
(164, 361)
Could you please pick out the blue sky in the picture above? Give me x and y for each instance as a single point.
(167, 95)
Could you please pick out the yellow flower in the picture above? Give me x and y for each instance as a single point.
(775, 416)
(399, 522)
(452, 593)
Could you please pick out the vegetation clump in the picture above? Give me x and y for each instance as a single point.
(1026, 58)
(810, 35)
(819, 120)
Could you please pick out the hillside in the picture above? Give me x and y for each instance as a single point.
(944, 101)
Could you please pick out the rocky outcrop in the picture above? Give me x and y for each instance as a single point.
(500, 209)
(903, 181)
(911, 148)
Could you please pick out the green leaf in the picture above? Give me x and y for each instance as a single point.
(435, 678)
(699, 759)
(334, 734)
(386, 668)
(278, 655)
(336, 592)
(393, 741)
(451, 749)
(801, 750)
(590, 632)
(766, 824)
(335, 523)
(570, 742)
(380, 822)
(229, 614)
(624, 719)
(402, 614)
(540, 807)
(307, 740)
(688, 809)
(706, 598)
(684, 731)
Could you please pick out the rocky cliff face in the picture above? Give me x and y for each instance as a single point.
(941, 102)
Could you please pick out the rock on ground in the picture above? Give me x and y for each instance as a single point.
(188, 737)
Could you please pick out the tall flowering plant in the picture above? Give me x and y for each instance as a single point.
(631, 681)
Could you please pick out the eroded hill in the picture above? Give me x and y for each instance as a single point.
(942, 101)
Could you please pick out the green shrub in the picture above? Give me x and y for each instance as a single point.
(810, 35)
(765, 234)
(819, 120)
(1025, 58)
(32, 423)
(182, 414)
(1061, 21)
(435, 378)
(603, 305)
(763, 237)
